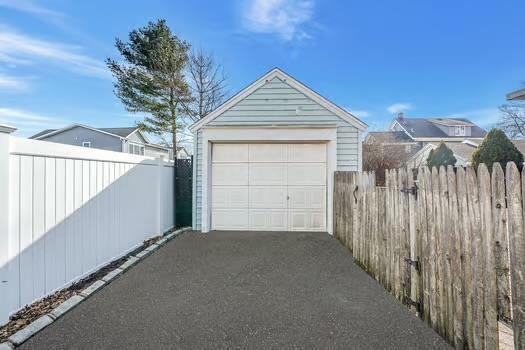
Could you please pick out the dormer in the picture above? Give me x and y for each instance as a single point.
(453, 127)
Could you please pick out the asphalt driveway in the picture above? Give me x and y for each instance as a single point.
(242, 290)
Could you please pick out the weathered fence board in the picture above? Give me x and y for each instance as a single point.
(517, 251)
(449, 242)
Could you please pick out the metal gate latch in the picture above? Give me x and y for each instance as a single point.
(410, 190)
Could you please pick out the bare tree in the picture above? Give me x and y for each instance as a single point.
(207, 83)
(512, 120)
(378, 158)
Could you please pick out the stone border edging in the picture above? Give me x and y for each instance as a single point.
(45, 320)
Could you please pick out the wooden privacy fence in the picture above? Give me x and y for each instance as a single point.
(449, 243)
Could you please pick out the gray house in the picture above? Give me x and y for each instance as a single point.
(128, 140)
(420, 136)
(265, 159)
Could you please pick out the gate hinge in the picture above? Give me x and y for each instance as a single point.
(410, 190)
(417, 304)
(414, 263)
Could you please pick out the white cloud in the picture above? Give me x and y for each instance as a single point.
(399, 107)
(27, 122)
(12, 83)
(16, 48)
(29, 7)
(285, 18)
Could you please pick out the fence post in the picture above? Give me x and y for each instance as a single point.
(4, 220)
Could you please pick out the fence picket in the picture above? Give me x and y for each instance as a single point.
(477, 259)
(446, 282)
(502, 246)
(490, 325)
(517, 251)
(455, 259)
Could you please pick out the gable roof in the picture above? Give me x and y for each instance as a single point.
(43, 132)
(389, 137)
(425, 128)
(277, 73)
(122, 132)
(50, 132)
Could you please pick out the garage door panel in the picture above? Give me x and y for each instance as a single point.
(229, 152)
(268, 174)
(268, 197)
(308, 152)
(307, 174)
(307, 197)
(229, 174)
(268, 220)
(307, 220)
(269, 187)
(268, 153)
(230, 197)
(230, 219)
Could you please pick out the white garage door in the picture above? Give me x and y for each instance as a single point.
(269, 187)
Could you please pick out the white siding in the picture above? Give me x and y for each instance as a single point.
(277, 103)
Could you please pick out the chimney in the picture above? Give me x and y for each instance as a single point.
(401, 116)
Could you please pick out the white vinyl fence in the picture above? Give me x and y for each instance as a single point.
(66, 211)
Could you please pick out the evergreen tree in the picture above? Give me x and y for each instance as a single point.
(497, 148)
(151, 78)
(442, 155)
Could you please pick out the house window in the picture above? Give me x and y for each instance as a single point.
(407, 148)
(86, 144)
(459, 130)
(135, 148)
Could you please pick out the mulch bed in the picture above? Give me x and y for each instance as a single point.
(39, 308)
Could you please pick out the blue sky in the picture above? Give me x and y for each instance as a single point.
(375, 58)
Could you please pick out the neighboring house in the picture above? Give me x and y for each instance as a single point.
(265, 159)
(182, 153)
(423, 135)
(516, 95)
(128, 140)
(438, 129)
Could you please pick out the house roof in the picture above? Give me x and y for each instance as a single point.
(43, 132)
(278, 73)
(451, 122)
(516, 95)
(122, 132)
(460, 149)
(389, 136)
(424, 128)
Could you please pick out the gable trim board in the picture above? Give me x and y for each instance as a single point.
(274, 109)
(279, 74)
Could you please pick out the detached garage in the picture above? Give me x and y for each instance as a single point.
(264, 160)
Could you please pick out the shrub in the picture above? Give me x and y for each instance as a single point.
(497, 148)
(442, 155)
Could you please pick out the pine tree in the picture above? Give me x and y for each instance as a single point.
(151, 79)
